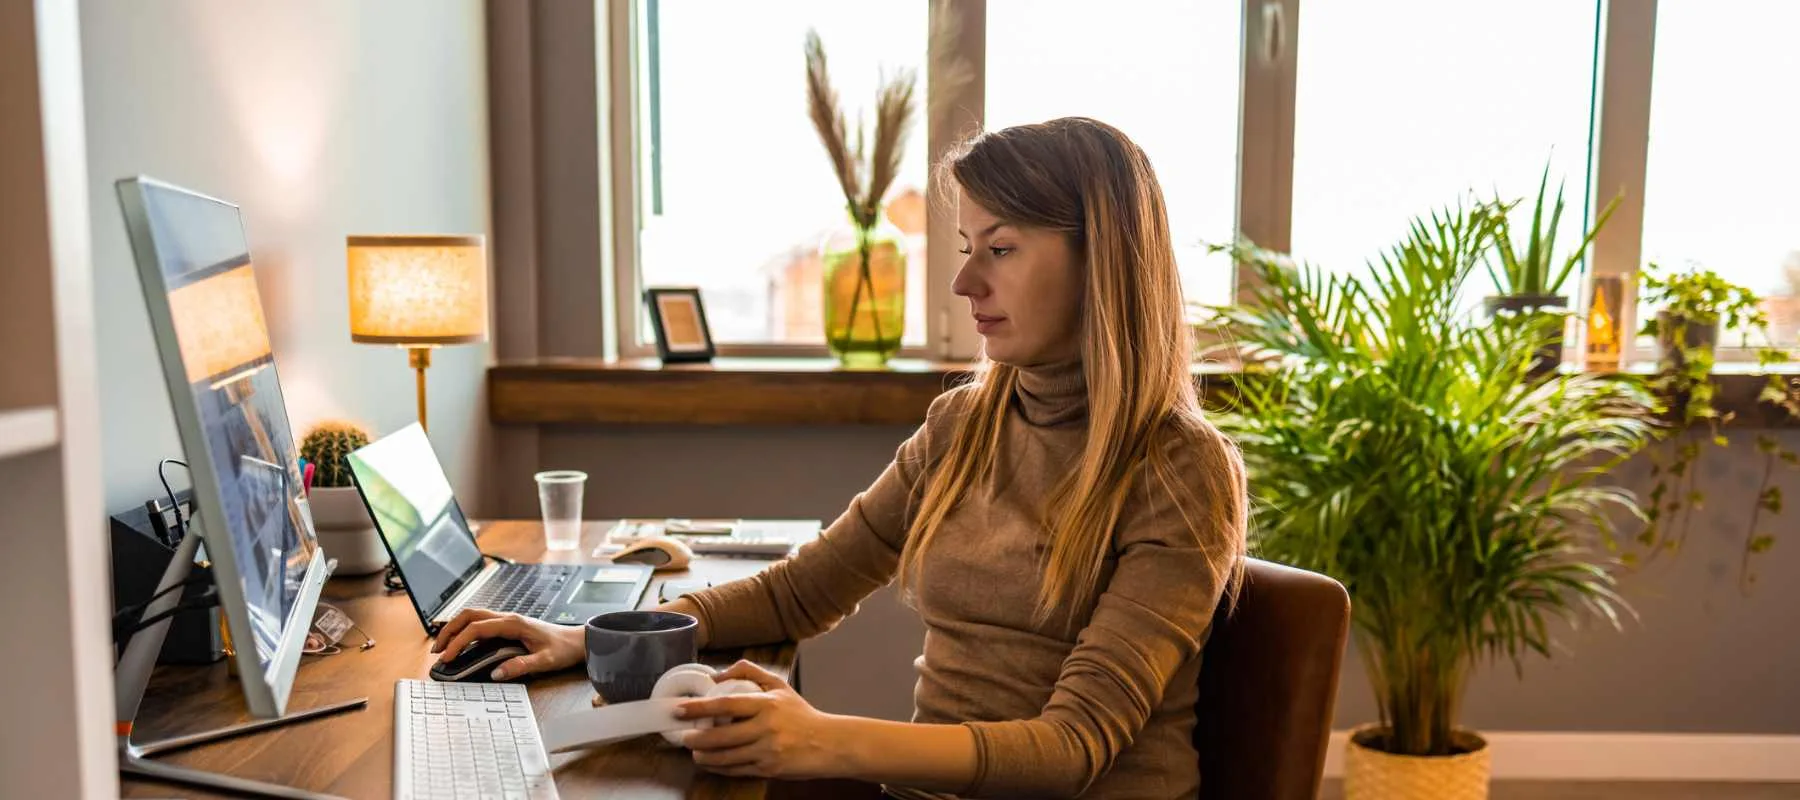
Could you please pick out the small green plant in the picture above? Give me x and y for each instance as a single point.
(1694, 305)
(326, 445)
(1533, 270)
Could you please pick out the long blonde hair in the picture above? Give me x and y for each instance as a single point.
(1085, 179)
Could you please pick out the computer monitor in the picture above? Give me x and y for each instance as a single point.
(250, 505)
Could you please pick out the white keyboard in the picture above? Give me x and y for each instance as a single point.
(467, 740)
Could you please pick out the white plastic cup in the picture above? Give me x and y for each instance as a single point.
(559, 497)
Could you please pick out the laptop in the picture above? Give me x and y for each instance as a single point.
(403, 485)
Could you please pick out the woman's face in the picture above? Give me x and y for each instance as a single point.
(1024, 287)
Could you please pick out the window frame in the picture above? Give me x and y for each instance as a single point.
(1622, 159)
(1264, 175)
(1269, 38)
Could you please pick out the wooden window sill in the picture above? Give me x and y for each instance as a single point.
(816, 391)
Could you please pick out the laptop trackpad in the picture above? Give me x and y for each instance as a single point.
(613, 588)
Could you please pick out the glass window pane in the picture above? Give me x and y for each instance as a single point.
(1405, 106)
(1723, 178)
(736, 192)
(1163, 71)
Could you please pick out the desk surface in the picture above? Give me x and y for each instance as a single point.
(352, 754)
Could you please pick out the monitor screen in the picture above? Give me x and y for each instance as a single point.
(207, 316)
(408, 496)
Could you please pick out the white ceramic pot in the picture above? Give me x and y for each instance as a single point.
(345, 531)
(1370, 774)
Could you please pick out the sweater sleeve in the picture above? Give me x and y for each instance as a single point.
(1151, 618)
(824, 581)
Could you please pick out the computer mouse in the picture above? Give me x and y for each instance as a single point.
(476, 663)
(661, 553)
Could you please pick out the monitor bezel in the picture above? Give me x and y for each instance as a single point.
(266, 690)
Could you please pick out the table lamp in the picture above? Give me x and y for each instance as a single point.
(418, 292)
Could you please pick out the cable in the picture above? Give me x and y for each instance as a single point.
(180, 522)
(391, 579)
(138, 608)
(124, 629)
(317, 639)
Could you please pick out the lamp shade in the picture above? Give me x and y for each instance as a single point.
(219, 325)
(417, 290)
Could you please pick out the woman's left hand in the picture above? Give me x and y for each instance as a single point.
(776, 733)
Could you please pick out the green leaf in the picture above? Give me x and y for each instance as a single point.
(1762, 543)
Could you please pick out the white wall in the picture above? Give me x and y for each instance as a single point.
(320, 119)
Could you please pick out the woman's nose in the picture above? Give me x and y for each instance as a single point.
(968, 282)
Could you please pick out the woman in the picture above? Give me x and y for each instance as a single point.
(1065, 524)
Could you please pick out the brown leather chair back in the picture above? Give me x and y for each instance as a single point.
(1268, 682)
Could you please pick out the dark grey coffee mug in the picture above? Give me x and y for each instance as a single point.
(628, 650)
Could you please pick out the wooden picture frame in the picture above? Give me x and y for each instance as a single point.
(679, 318)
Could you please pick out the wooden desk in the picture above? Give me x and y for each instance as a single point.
(352, 754)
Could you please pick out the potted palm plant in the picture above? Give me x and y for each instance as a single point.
(1528, 275)
(1401, 446)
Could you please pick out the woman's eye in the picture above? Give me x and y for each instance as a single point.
(999, 251)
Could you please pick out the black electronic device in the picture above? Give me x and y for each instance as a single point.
(143, 540)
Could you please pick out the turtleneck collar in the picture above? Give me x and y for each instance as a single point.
(1053, 394)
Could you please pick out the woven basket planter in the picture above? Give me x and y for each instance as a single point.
(1371, 774)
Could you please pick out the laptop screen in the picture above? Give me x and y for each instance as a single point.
(410, 499)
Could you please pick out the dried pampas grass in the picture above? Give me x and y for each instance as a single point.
(864, 185)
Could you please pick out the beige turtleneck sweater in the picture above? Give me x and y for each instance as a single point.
(1098, 702)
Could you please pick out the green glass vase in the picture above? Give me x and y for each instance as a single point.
(865, 294)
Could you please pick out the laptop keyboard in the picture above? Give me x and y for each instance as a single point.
(526, 589)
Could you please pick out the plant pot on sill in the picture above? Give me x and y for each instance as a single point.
(1696, 335)
(345, 531)
(1372, 774)
(1549, 356)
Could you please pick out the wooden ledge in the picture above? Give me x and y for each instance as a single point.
(729, 391)
(816, 391)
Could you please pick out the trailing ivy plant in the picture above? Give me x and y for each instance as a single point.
(1695, 304)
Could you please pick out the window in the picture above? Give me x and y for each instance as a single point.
(1327, 143)
(1405, 106)
(1722, 183)
(1166, 74)
(735, 192)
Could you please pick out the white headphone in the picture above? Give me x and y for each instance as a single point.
(616, 723)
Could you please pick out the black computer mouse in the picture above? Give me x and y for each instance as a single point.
(476, 663)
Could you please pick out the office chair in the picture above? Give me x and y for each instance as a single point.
(1268, 682)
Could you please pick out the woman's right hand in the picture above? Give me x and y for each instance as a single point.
(552, 646)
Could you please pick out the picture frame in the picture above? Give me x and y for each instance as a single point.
(679, 317)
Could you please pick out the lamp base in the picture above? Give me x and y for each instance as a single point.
(419, 358)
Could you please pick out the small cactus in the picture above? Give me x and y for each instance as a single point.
(326, 445)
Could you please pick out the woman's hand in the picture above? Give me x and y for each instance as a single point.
(777, 734)
(552, 646)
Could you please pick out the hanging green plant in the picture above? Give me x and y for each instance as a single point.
(1694, 306)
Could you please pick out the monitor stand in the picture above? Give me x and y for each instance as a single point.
(131, 677)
